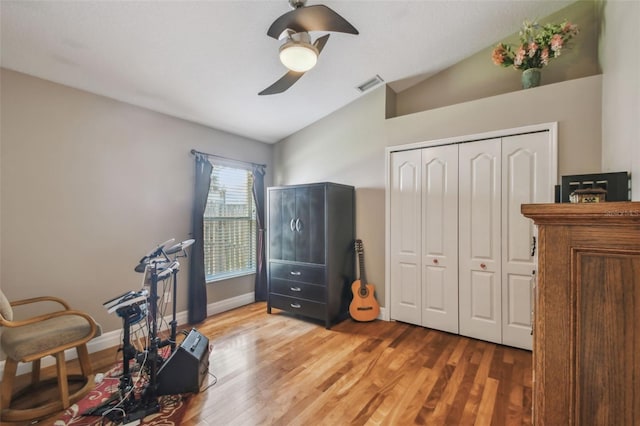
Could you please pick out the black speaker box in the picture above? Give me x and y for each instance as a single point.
(187, 366)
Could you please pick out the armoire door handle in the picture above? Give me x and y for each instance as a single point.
(292, 225)
(298, 225)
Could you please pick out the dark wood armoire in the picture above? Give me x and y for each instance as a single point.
(586, 338)
(310, 250)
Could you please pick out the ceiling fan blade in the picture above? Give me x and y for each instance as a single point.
(320, 42)
(283, 84)
(311, 18)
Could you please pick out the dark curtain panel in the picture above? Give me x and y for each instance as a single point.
(197, 300)
(261, 266)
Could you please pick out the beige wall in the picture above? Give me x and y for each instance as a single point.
(598, 128)
(574, 104)
(349, 145)
(89, 185)
(477, 77)
(346, 147)
(621, 92)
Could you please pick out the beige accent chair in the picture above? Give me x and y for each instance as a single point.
(32, 339)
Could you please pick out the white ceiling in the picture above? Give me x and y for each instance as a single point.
(205, 61)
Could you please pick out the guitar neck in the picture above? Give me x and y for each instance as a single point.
(363, 277)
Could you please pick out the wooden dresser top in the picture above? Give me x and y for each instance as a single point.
(607, 213)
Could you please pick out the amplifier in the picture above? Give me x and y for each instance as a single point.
(187, 366)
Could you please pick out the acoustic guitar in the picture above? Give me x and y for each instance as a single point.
(364, 306)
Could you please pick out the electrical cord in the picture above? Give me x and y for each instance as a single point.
(215, 380)
(117, 407)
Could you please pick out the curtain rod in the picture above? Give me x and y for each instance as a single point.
(194, 152)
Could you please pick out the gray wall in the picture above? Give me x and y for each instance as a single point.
(89, 185)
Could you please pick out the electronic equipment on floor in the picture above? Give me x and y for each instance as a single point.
(187, 367)
(182, 370)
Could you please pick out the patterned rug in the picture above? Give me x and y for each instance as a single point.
(172, 407)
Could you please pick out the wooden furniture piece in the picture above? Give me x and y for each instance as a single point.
(32, 339)
(586, 351)
(310, 250)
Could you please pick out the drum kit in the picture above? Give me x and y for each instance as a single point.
(129, 403)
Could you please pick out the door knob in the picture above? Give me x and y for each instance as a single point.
(483, 266)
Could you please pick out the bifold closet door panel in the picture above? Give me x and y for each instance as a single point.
(405, 244)
(480, 236)
(440, 238)
(526, 179)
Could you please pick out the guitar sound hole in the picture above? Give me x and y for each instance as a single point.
(364, 292)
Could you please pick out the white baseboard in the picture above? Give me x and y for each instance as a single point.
(383, 315)
(229, 304)
(113, 338)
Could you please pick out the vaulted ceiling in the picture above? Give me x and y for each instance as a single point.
(206, 61)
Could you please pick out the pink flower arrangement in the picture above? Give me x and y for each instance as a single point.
(538, 44)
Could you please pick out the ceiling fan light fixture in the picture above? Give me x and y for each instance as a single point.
(298, 56)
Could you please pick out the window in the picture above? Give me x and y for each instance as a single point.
(229, 224)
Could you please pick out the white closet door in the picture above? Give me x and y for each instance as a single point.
(479, 209)
(440, 238)
(526, 178)
(406, 241)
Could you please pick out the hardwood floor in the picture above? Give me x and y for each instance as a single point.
(280, 370)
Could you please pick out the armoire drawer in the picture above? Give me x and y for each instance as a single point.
(301, 273)
(298, 306)
(298, 290)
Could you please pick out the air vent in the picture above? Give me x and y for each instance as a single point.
(369, 84)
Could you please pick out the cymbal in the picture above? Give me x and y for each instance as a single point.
(154, 253)
(180, 246)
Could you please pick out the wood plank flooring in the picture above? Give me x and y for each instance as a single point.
(281, 370)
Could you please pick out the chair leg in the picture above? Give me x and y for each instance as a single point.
(63, 383)
(38, 412)
(35, 371)
(8, 378)
(85, 361)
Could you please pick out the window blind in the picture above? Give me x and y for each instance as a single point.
(229, 224)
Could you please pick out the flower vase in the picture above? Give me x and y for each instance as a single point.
(531, 78)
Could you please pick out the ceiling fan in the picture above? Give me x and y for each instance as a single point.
(298, 53)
